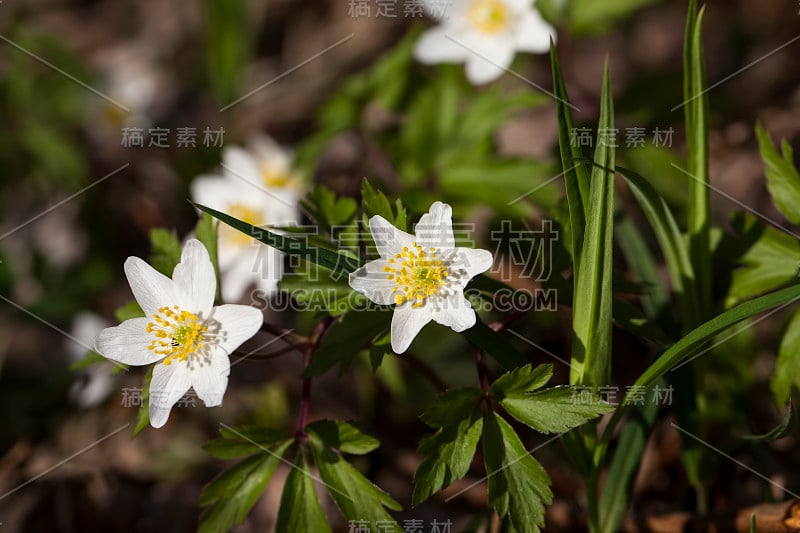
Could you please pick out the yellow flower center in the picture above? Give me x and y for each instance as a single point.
(489, 16)
(233, 236)
(417, 273)
(273, 178)
(177, 333)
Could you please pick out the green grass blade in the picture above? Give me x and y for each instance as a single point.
(319, 256)
(591, 347)
(576, 176)
(696, 116)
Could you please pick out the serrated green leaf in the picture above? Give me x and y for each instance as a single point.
(378, 351)
(328, 210)
(300, 509)
(451, 405)
(787, 366)
(770, 263)
(243, 441)
(346, 337)
(343, 436)
(166, 250)
(783, 180)
(556, 409)
(375, 203)
(128, 311)
(518, 485)
(354, 494)
(231, 495)
(523, 379)
(449, 451)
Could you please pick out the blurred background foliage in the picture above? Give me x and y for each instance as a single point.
(76, 202)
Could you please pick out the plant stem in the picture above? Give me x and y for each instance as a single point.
(287, 333)
(305, 395)
(483, 373)
(268, 355)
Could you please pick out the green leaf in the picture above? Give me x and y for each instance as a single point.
(241, 441)
(343, 436)
(128, 311)
(670, 240)
(329, 259)
(231, 495)
(449, 451)
(354, 494)
(143, 416)
(518, 485)
(166, 250)
(556, 409)
(300, 509)
(783, 180)
(787, 367)
(495, 344)
(576, 176)
(346, 337)
(592, 306)
(378, 351)
(324, 208)
(227, 47)
(520, 380)
(617, 489)
(374, 203)
(90, 358)
(696, 338)
(770, 263)
(696, 116)
(778, 432)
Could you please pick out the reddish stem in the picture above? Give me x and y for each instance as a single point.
(305, 395)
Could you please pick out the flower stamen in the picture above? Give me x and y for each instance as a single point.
(178, 334)
(489, 16)
(417, 273)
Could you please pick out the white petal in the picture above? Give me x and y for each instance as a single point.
(270, 154)
(169, 384)
(194, 277)
(435, 228)
(236, 323)
(151, 288)
(434, 46)
(220, 193)
(489, 62)
(127, 343)
(267, 268)
(474, 261)
(211, 380)
(407, 321)
(371, 281)
(238, 277)
(388, 239)
(533, 33)
(239, 165)
(456, 313)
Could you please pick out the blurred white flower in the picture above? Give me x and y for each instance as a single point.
(94, 383)
(484, 34)
(260, 187)
(424, 275)
(188, 338)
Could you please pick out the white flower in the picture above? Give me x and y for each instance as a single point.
(424, 275)
(259, 187)
(94, 383)
(182, 332)
(484, 34)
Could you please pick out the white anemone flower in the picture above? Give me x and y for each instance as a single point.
(424, 275)
(259, 187)
(183, 333)
(484, 34)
